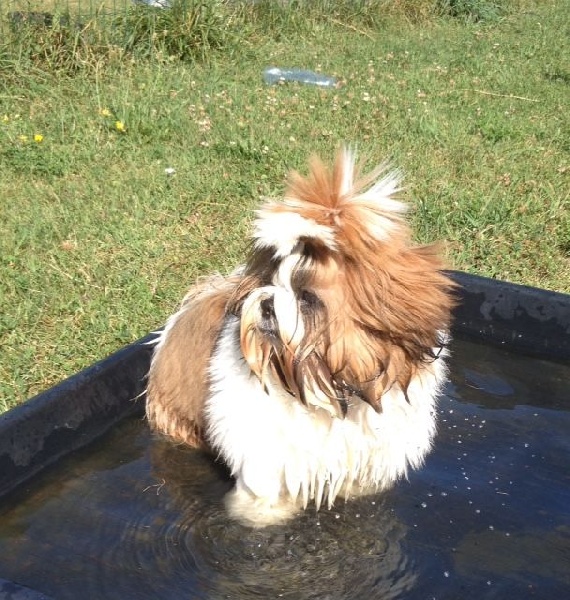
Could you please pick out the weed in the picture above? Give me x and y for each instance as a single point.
(473, 10)
(188, 30)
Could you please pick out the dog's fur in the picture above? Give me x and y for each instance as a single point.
(313, 370)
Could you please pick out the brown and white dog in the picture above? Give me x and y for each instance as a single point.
(313, 370)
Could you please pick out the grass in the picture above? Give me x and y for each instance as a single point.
(99, 241)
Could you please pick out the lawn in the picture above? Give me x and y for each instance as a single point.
(128, 171)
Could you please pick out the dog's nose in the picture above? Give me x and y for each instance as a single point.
(267, 308)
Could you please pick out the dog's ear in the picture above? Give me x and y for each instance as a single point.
(178, 378)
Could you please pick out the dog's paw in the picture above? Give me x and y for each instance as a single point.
(258, 512)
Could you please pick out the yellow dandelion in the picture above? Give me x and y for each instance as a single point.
(120, 126)
(38, 138)
(105, 112)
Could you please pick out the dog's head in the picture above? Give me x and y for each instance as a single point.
(335, 302)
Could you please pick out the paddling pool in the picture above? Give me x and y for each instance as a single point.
(93, 506)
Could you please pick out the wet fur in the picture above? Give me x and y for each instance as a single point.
(178, 377)
(314, 370)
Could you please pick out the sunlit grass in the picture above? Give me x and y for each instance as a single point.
(124, 180)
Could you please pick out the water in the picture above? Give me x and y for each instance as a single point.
(488, 516)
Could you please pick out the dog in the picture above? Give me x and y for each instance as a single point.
(313, 370)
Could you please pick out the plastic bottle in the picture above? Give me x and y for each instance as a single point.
(273, 75)
(154, 3)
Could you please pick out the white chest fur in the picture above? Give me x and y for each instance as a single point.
(284, 454)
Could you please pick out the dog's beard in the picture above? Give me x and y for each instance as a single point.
(283, 338)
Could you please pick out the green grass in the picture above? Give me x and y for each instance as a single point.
(99, 244)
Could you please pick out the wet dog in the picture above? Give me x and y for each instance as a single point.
(313, 370)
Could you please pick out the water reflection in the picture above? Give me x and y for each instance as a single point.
(488, 516)
(344, 553)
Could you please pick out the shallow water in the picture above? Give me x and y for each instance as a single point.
(487, 517)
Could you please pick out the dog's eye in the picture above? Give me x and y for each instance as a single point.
(309, 301)
(267, 308)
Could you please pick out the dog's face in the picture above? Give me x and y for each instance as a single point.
(335, 303)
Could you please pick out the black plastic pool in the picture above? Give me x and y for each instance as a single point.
(130, 516)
